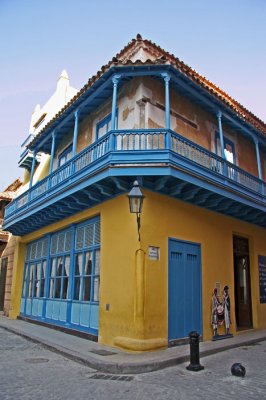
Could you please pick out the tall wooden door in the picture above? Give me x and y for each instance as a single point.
(242, 283)
(184, 289)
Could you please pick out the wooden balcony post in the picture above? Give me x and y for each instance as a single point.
(115, 80)
(219, 116)
(258, 157)
(52, 152)
(76, 130)
(166, 78)
(221, 136)
(115, 84)
(32, 168)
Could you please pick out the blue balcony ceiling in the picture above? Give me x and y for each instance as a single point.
(163, 161)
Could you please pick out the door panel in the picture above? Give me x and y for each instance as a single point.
(243, 304)
(242, 291)
(184, 289)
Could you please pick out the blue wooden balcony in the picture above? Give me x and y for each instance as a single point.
(165, 162)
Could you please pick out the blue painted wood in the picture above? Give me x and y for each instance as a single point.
(166, 78)
(94, 316)
(75, 313)
(36, 310)
(75, 135)
(115, 81)
(85, 312)
(219, 116)
(63, 311)
(83, 161)
(48, 271)
(90, 168)
(184, 289)
(40, 307)
(28, 306)
(258, 158)
(49, 309)
(22, 305)
(55, 310)
(52, 152)
(32, 171)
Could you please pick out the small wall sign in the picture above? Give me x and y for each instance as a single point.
(154, 253)
(262, 278)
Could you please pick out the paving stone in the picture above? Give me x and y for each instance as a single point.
(28, 372)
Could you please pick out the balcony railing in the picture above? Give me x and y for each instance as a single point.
(178, 148)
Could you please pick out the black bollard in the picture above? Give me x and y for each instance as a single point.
(194, 352)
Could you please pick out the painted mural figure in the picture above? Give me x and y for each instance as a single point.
(215, 304)
(226, 305)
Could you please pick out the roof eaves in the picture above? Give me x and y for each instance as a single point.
(167, 58)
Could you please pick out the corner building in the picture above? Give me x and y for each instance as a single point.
(199, 157)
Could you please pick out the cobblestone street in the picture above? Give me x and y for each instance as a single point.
(29, 371)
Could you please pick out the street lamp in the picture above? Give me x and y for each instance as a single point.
(136, 198)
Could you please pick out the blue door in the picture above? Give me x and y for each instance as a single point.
(184, 289)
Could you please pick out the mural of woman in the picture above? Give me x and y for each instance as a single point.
(214, 318)
(226, 305)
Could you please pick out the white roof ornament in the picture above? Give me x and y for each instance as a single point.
(64, 74)
(63, 80)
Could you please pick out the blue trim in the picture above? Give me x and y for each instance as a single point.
(62, 157)
(166, 78)
(106, 121)
(258, 158)
(179, 328)
(135, 152)
(32, 169)
(219, 116)
(28, 138)
(76, 131)
(62, 324)
(54, 308)
(48, 270)
(52, 152)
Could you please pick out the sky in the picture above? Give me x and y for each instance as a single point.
(222, 40)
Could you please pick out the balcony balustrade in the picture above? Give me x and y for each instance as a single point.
(141, 147)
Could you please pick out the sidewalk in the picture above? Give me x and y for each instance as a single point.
(115, 361)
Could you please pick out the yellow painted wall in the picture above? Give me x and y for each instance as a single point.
(126, 323)
(17, 277)
(9, 254)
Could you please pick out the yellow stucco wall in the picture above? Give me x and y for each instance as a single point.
(17, 277)
(124, 320)
(9, 254)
